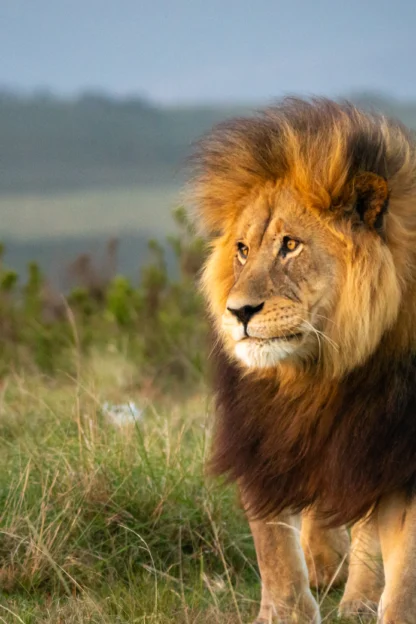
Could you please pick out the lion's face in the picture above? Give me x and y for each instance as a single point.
(288, 286)
(285, 267)
(312, 238)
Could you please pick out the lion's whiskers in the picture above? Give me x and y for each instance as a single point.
(321, 334)
(326, 318)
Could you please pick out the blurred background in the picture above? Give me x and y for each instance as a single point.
(105, 411)
(100, 102)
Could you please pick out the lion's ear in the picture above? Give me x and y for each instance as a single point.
(370, 195)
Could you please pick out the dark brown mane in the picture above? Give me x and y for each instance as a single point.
(331, 445)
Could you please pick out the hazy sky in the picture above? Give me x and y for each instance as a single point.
(193, 50)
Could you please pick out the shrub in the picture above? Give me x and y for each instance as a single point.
(158, 322)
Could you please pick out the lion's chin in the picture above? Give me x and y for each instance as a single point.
(256, 353)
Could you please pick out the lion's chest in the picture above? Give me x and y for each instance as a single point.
(342, 451)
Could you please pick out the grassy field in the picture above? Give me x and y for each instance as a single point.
(103, 523)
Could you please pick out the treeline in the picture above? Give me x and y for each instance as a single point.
(49, 143)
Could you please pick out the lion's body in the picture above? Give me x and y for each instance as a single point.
(311, 283)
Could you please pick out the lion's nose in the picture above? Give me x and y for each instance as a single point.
(245, 313)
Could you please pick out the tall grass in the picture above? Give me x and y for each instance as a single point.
(107, 523)
(104, 522)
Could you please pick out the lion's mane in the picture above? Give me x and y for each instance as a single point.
(347, 437)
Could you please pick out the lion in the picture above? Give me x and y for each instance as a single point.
(310, 211)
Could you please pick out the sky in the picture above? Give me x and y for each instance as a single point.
(189, 51)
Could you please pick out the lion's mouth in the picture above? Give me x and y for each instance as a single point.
(281, 338)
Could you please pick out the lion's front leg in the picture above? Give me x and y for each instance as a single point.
(285, 585)
(397, 529)
(326, 551)
(366, 578)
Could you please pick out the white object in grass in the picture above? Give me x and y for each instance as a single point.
(122, 413)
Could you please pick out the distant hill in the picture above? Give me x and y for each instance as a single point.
(49, 144)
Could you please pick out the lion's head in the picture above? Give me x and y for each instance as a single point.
(311, 211)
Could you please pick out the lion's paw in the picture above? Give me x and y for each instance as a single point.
(305, 611)
(327, 567)
(302, 610)
(364, 609)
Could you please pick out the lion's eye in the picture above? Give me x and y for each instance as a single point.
(288, 245)
(242, 252)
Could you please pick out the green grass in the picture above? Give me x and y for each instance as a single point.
(86, 213)
(108, 524)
